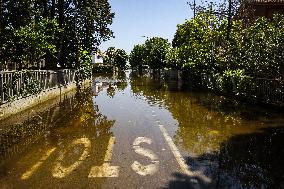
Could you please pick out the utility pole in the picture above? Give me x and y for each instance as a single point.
(194, 8)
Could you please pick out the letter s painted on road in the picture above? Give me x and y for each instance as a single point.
(140, 169)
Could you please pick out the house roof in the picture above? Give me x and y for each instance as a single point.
(264, 1)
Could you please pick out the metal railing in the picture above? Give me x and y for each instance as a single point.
(19, 84)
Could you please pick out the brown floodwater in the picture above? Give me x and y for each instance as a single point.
(64, 142)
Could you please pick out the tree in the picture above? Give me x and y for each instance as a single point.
(36, 40)
(137, 57)
(224, 10)
(221, 9)
(84, 25)
(110, 56)
(116, 57)
(173, 58)
(261, 49)
(195, 40)
(156, 49)
(120, 59)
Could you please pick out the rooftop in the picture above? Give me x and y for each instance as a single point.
(265, 1)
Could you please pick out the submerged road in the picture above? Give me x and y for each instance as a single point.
(123, 135)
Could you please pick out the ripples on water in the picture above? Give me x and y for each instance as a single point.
(236, 144)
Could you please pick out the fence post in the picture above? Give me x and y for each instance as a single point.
(11, 86)
(1, 88)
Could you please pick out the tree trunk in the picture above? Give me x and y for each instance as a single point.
(52, 9)
(45, 10)
(61, 25)
(61, 13)
(1, 16)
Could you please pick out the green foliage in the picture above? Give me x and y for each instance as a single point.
(30, 43)
(261, 51)
(193, 41)
(230, 79)
(122, 81)
(85, 58)
(29, 30)
(156, 49)
(85, 70)
(120, 59)
(116, 57)
(29, 86)
(103, 69)
(36, 40)
(86, 25)
(173, 59)
(201, 47)
(109, 56)
(155, 53)
(137, 57)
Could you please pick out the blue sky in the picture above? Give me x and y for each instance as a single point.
(137, 18)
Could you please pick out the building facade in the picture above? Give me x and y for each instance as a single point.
(253, 9)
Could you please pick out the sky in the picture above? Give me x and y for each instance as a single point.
(151, 18)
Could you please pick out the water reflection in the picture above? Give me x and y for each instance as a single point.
(20, 131)
(236, 144)
(69, 143)
(122, 81)
(71, 132)
(112, 82)
(111, 90)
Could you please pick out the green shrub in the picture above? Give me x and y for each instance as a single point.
(230, 79)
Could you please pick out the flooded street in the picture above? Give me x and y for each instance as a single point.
(140, 132)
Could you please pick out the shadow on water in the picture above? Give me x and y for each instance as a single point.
(235, 144)
(244, 161)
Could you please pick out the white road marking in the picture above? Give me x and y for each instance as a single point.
(60, 171)
(140, 140)
(140, 169)
(184, 167)
(36, 166)
(108, 155)
(106, 170)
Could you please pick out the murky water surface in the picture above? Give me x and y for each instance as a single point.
(101, 136)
